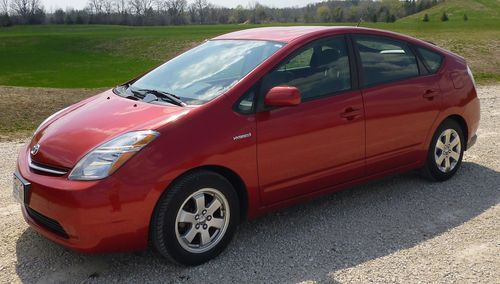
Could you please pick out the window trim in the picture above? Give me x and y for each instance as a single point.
(360, 66)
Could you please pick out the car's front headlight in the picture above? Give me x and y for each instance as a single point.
(107, 158)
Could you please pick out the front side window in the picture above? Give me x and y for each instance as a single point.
(209, 70)
(385, 60)
(318, 69)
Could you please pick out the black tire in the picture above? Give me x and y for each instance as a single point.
(163, 225)
(431, 169)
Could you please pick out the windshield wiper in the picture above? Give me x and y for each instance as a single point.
(163, 95)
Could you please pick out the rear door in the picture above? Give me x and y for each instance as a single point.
(401, 102)
(320, 142)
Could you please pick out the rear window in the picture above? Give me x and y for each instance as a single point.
(385, 60)
(432, 60)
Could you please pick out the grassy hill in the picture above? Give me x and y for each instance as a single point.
(91, 56)
(477, 39)
(103, 56)
(478, 11)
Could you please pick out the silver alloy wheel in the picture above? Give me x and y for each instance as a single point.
(202, 220)
(447, 150)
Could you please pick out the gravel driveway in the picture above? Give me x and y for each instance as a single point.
(400, 229)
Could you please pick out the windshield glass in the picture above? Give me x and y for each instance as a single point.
(207, 71)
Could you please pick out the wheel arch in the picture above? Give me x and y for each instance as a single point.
(463, 124)
(235, 180)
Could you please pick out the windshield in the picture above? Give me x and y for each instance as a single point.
(207, 71)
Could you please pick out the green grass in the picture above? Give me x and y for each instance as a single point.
(103, 56)
(92, 56)
(478, 39)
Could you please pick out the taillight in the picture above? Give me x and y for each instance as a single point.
(471, 76)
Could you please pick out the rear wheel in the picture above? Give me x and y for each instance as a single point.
(195, 219)
(446, 151)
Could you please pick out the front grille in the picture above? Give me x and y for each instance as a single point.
(50, 224)
(41, 168)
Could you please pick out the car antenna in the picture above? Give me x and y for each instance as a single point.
(360, 20)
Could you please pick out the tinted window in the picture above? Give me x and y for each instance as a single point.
(385, 60)
(432, 60)
(319, 69)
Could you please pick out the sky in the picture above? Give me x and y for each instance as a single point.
(51, 5)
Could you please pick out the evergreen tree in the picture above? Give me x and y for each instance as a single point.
(466, 18)
(444, 17)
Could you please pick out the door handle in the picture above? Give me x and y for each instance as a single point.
(351, 113)
(430, 94)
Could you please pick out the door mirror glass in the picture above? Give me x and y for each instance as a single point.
(283, 96)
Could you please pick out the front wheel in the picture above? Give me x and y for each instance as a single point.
(446, 151)
(195, 219)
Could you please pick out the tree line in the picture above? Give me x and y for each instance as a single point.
(180, 12)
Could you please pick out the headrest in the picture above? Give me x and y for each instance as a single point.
(325, 57)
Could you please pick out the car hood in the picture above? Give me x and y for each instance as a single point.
(68, 136)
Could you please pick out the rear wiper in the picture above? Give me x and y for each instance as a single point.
(164, 95)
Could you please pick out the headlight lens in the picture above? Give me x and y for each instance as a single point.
(107, 158)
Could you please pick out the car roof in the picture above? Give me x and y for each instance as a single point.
(285, 34)
(282, 34)
(293, 33)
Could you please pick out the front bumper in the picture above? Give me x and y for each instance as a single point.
(88, 216)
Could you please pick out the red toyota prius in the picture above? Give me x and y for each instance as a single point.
(242, 124)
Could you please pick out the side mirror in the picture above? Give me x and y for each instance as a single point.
(283, 96)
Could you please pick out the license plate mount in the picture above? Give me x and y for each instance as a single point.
(20, 188)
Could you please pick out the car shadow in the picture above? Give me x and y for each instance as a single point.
(304, 242)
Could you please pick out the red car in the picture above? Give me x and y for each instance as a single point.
(244, 123)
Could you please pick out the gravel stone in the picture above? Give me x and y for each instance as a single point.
(401, 229)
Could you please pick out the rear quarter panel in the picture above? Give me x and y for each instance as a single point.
(459, 95)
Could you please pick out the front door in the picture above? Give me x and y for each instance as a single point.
(321, 142)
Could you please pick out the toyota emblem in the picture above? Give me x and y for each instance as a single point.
(35, 149)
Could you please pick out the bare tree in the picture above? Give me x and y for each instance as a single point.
(107, 6)
(121, 6)
(176, 10)
(26, 8)
(95, 6)
(201, 7)
(139, 7)
(160, 5)
(4, 6)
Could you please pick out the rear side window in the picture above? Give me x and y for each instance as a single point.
(432, 60)
(385, 60)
